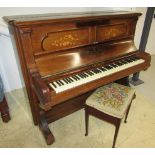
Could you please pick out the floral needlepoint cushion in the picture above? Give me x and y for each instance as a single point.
(112, 99)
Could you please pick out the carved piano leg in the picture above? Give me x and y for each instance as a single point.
(45, 129)
(4, 109)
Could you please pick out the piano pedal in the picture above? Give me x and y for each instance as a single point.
(43, 125)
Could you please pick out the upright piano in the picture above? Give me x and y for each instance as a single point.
(64, 57)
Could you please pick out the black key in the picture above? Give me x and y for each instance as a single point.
(70, 79)
(74, 78)
(66, 81)
(103, 69)
(85, 74)
(134, 58)
(129, 60)
(90, 73)
(77, 77)
(58, 83)
(98, 70)
(108, 67)
(123, 61)
(54, 85)
(118, 63)
(80, 76)
(61, 82)
(94, 71)
(113, 65)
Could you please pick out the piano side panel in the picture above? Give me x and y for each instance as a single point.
(22, 40)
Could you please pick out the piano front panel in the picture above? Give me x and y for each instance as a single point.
(104, 33)
(56, 37)
(65, 39)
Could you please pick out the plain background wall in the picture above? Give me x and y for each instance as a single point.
(9, 63)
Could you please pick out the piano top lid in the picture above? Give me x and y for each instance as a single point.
(55, 17)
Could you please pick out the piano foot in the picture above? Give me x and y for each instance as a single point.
(45, 129)
(137, 82)
(4, 109)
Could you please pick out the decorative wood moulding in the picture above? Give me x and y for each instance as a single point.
(111, 31)
(65, 39)
(25, 30)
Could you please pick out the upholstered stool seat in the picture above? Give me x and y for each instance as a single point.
(110, 102)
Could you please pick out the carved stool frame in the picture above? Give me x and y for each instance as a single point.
(111, 119)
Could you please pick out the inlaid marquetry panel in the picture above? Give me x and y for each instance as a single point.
(65, 39)
(104, 33)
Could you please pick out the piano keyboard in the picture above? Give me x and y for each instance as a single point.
(94, 74)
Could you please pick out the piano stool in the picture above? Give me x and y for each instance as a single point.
(110, 103)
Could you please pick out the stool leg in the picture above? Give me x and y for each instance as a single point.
(117, 125)
(127, 112)
(86, 121)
